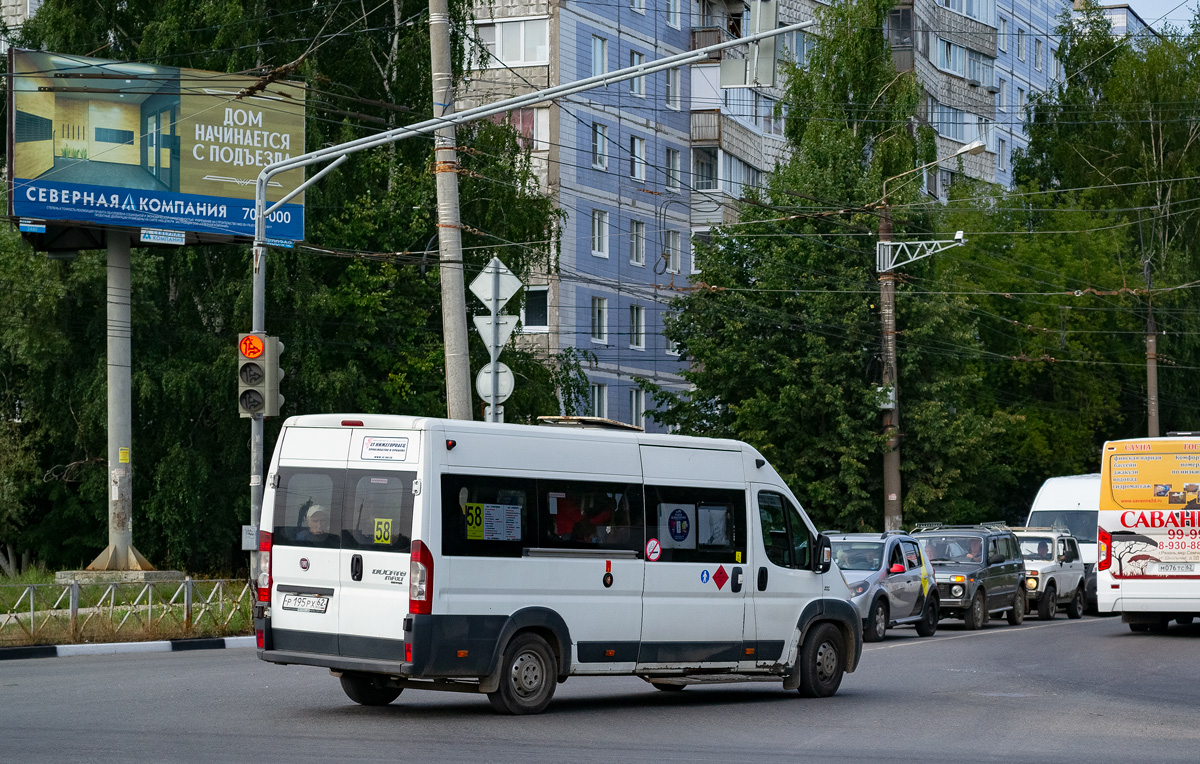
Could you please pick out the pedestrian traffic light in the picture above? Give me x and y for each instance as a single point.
(252, 374)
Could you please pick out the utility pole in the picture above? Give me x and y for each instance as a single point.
(891, 405)
(454, 300)
(1151, 361)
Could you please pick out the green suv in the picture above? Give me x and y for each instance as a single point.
(978, 569)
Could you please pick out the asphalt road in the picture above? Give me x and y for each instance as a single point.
(1087, 691)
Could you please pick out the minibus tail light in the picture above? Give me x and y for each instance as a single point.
(1103, 550)
(420, 579)
(264, 566)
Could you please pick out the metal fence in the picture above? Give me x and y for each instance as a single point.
(76, 612)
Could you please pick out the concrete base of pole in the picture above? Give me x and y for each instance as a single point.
(118, 576)
(121, 558)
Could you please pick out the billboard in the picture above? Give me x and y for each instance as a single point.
(113, 143)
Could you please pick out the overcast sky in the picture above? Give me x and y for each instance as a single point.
(1151, 10)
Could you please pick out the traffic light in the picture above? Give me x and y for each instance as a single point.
(259, 375)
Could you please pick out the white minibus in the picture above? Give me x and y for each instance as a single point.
(1148, 546)
(413, 553)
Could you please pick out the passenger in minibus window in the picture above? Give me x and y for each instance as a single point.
(317, 524)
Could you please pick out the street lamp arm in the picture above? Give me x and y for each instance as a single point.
(974, 147)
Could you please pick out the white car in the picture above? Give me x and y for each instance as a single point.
(1054, 571)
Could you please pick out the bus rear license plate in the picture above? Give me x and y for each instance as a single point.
(305, 604)
(1176, 567)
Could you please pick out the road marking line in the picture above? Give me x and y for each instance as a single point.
(927, 641)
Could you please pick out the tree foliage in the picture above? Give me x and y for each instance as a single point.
(362, 333)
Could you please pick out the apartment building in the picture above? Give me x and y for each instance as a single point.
(14, 14)
(617, 161)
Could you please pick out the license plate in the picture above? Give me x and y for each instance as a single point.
(1175, 567)
(305, 604)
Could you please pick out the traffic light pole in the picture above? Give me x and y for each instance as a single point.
(258, 325)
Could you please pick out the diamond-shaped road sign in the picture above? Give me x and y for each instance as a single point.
(484, 285)
(483, 324)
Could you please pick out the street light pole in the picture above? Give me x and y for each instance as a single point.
(885, 264)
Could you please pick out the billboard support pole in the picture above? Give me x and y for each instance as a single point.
(120, 553)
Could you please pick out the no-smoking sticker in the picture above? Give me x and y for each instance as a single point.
(653, 550)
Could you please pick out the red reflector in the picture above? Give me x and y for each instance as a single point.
(261, 638)
(450, 444)
(749, 651)
(352, 423)
(609, 653)
(407, 652)
(462, 653)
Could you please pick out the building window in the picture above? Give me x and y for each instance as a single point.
(1021, 102)
(1002, 35)
(637, 327)
(535, 317)
(1002, 95)
(947, 120)
(638, 5)
(599, 400)
(980, 10)
(599, 233)
(599, 55)
(1002, 155)
(599, 319)
(637, 158)
(637, 85)
(704, 170)
(980, 68)
(1021, 44)
(950, 57)
(671, 347)
(599, 146)
(1057, 64)
(516, 43)
(1037, 55)
(637, 243)
(673, 91)
(673, 13)
(637, 407)
(674, 252)
(674, 177)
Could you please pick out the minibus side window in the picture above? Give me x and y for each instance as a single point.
(308, 508)
(379, 514)
(585, 515)
(785, 536)
(485, 516)
(697, 524)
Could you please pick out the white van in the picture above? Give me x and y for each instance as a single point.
(1072, 502)
(404, 552)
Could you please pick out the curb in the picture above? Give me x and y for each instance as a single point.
(114, 648)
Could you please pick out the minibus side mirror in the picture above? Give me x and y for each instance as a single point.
(823, 559)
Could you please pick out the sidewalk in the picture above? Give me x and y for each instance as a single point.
(113, 648)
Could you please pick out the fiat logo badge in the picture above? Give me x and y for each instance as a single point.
(303, 563)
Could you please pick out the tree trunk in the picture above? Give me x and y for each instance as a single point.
(6, 563)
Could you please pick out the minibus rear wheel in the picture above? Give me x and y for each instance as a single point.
(528, 675)
(364, 691)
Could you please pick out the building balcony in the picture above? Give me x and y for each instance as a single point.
(702, 37)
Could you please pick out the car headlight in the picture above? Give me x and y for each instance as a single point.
(859, 587)
(956, 591)
(1031, 580)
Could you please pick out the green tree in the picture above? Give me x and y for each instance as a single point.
(784, 335)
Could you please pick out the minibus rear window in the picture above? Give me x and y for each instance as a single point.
(308, 507)
(379, 512)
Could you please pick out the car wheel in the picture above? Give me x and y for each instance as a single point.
(668, 687)
(528, 674)
(822, 661)
(927, 626)
(1075, 606)
(1016, 616)
(1048, 604)
(364, 691)
(878, 622)
(1139, 627)
(975, 614)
